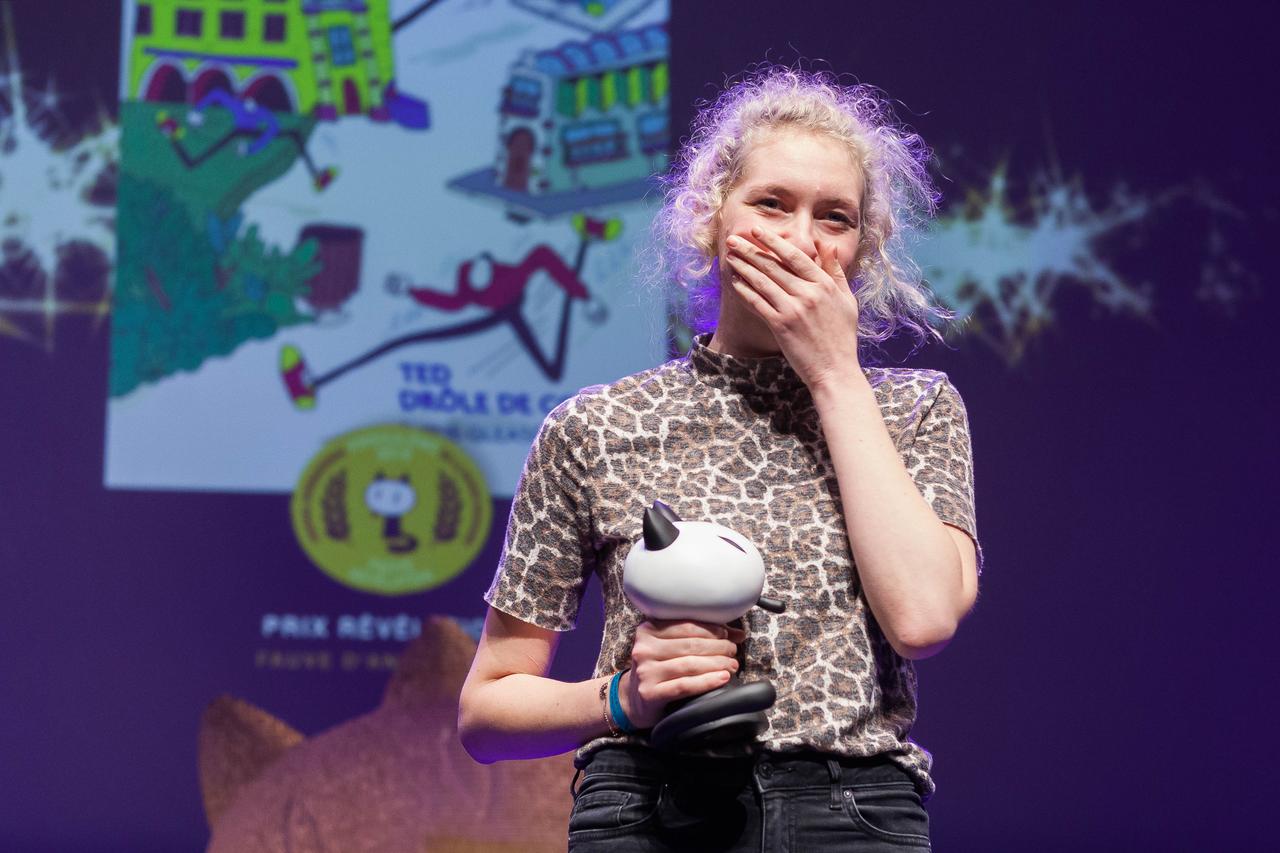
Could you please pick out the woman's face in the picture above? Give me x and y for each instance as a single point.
(803, 186)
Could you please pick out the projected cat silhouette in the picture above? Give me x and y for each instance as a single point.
(395, 778)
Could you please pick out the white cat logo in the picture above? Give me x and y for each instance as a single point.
(391, 499)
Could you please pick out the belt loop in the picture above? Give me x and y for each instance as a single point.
(573, 784)
(833, 769)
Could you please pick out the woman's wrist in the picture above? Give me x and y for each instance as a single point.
(614, 731)
(617, 712)
(835, 384)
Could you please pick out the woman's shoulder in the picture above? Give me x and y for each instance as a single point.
(637, 391)
(910, 393)
(915, 381)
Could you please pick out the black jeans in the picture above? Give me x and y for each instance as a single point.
(633, 799)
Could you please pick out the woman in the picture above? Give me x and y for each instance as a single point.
(784, 220)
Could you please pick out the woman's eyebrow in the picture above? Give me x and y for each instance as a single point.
(838, 201)
(780, 190)
(769, 189)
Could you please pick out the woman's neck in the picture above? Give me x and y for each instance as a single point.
(740, 333)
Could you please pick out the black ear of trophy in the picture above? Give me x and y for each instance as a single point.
(659, 531)
(666, 512)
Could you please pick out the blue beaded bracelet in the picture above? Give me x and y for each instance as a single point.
(615, 707)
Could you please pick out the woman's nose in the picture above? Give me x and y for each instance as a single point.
(800, 234)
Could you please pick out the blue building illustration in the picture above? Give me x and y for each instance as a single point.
(580, 125)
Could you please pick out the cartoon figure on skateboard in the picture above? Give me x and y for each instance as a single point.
(483, 281)
(254, 126)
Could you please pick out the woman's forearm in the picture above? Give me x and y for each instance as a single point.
(528, 716)
(509, 709)
(908, 565)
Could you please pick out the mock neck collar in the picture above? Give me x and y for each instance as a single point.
(764, 376)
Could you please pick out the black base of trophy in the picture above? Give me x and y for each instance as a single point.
(730, 714)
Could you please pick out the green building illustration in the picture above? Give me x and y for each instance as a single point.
(321, 58)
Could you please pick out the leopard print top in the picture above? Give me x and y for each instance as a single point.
(738, 442)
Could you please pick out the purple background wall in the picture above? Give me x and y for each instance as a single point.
(1112, 690)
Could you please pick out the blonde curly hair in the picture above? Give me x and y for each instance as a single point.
(898, 195)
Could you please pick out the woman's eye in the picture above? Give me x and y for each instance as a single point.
(771, 203)
(841, 218)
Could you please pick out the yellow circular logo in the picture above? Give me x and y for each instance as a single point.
(392, 509)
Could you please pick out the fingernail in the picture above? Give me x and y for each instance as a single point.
(734, 241)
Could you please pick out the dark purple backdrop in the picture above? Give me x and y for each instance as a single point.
(1113, 688)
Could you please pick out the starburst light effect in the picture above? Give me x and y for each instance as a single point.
(1001, 267)
(57, 206)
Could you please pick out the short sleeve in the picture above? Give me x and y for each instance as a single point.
(547, 555)
(940, 460)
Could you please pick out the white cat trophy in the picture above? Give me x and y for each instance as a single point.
(697, 570)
